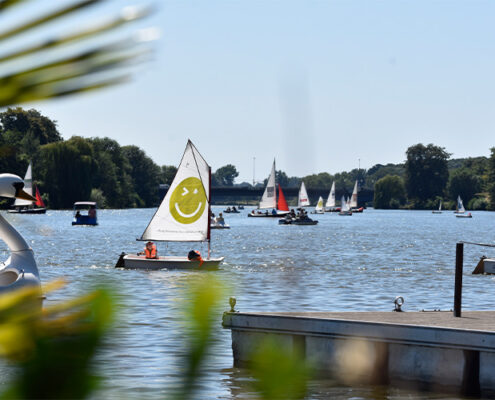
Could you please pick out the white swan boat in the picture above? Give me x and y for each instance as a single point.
(183, 216)
(20, 269)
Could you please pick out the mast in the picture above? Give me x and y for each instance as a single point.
(208, 235)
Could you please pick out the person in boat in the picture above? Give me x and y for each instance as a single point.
(149, 251)
(292, 213)
(78, 214)
(274, 212)
(195, 255)
(92, 212)
(234, 209)
(228, 209)
(219, 220)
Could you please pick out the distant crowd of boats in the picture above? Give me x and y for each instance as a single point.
(271, 206)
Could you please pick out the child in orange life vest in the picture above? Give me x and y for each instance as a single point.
(195, 256)
(149, 251)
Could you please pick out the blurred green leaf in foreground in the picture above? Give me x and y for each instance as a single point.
(279, 372)
(56, 64)
(53, 348)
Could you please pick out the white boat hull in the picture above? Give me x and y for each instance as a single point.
(132, 261)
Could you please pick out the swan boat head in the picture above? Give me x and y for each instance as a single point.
(20, 269)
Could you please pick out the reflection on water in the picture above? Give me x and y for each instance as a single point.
(342, 264)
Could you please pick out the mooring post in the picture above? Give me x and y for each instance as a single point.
(459, 260)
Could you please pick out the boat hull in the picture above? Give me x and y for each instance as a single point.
(28, 211)
(132, 261)
(267, 214)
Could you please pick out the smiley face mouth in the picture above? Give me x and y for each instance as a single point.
(183, 215)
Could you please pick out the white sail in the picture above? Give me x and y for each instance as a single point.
(440, 206)
(460, 206)
(183, 215)
(269, 199)
(344, 206)
(354, 197)
(28, 188)
(331, 196)
(319, 205)
(303, 200)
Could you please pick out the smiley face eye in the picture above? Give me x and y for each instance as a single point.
(185, 191)
(195, 191)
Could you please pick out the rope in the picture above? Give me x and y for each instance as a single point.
(478, 244)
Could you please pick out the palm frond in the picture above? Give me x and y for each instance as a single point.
(64, 71)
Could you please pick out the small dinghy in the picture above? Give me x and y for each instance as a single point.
(23, 206)
(269, 200)
(319, 207)
(468, 215)
(183, 216)
(344, 208)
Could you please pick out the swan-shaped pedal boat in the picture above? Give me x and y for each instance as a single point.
(20, 269)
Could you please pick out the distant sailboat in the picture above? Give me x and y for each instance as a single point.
(344, 208)
(354, 200)
(303, 200)
(319, 206)
(460, 206)
(26, 206)
(330, 205)
(269, 200)
(439, 211)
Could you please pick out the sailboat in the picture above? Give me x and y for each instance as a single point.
(353, 205)
(330, 206)
(319, 207)
(460, 207)
(460, 210)
(183, 216)
(269, 200)
(22, 206)
(439, 211)
(345, 209)
(302, 200)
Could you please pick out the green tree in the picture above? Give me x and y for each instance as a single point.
(167, 174)
(464, 183)
(68, 167)
(389, 192)
(112, 173)
(145, 176)
(491, 179)
(226, 175)
(426, 172)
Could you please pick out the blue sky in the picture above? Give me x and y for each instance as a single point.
(315, 84)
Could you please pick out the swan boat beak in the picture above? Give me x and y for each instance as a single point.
(21, 194)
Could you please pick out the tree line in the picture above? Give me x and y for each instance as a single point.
(115, 176)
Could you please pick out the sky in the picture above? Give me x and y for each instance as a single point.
(321, 86)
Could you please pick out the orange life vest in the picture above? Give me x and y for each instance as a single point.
(150, 253)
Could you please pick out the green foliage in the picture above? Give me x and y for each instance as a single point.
(68, 167)
(167, 174)
(50, 67)
(463, 182)
(279, 373)
(225, 175)
(145, 175)
(389, 192)
(53, 349)
(98, 197)
(478, 203)
(426, 172)
(204, 297)
(491, 179)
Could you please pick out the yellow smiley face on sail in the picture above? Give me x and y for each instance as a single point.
(188, 201)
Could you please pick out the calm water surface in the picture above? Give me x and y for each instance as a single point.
(342, 264)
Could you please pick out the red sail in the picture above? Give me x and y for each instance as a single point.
(282, 204)
(39, 200)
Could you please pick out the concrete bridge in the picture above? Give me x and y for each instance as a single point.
(242, 195)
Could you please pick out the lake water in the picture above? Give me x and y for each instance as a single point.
(353, 263)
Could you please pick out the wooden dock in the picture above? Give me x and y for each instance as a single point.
(427, 350)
